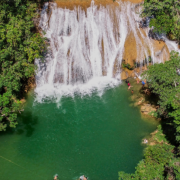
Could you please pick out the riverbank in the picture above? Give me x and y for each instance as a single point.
(142, 97)
(147, 105)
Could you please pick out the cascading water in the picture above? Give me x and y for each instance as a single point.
(87, 47)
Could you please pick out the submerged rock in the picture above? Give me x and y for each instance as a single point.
(139, 101)
(147, 109)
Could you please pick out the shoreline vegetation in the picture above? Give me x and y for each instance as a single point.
(21, 43)
(146, 101)
(162, 155)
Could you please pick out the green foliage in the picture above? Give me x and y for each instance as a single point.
(174, 166)
(159, 136)
(128, 66)
(161, 161)
(154, 114)
(125, 176)
(19, 46)
(157, 157)
(164, 80)
(166, 15)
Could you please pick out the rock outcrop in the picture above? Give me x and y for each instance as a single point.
(147, 109)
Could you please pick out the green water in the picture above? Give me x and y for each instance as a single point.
(95, 136)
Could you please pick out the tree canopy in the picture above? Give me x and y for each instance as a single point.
(157, 157)
(161, 161)
(164, 80)
(19, 46)
(166, 16)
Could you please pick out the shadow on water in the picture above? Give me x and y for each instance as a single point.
(26, 125)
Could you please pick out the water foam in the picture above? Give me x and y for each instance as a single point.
(86, 48)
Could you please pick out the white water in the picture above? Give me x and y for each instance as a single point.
(86, 48)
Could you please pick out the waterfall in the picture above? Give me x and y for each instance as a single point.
(87, 48)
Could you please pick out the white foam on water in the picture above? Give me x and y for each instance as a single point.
(172, 45)
(86, 48)
(57, 91)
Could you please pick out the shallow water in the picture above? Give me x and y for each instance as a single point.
(95, 136)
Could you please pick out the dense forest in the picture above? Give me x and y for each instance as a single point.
(20, 44)
(162, 160)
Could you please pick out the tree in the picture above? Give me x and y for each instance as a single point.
(157, 158)
(166, 16)
(164, 80)
(19, 46)
(161, 160)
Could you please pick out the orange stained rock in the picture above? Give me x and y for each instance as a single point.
(131, 52)
(130, 49)
(161, 48)
(134, 48)
(70, 4)
(124, 75)
(158, 45)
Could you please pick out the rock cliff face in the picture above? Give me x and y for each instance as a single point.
(97, 42)
(69, 4)
(137, 47)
